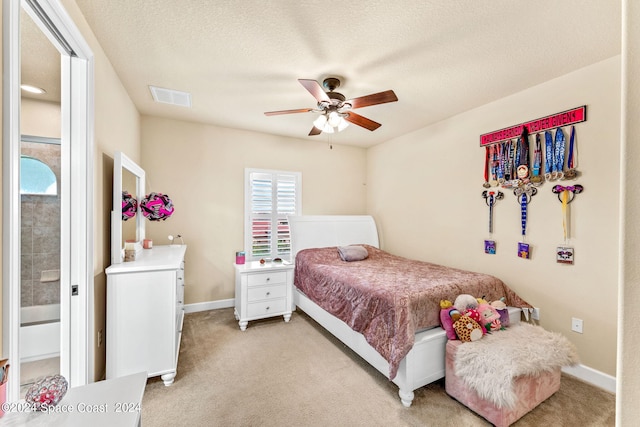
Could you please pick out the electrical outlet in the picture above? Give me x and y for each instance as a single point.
(535, 314)
(576, 325)
(100, 338)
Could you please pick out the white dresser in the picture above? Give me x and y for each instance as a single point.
(263, 290)
(145, 310)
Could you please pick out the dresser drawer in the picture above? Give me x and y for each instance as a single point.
(266, 292)
(268, 278)
(267, 308)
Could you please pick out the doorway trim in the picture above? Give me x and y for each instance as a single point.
(77, 106)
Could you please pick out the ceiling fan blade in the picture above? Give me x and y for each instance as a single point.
(359, 120)
(299, 110)
(315, 131)
(373, 99)
(315, 89)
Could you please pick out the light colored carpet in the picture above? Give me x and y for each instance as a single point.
(297, 374)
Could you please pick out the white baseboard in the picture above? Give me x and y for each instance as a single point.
(591, 376)
(209, 305)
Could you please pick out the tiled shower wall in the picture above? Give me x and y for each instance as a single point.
(40, 234)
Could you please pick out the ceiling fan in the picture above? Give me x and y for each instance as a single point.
(335, 109)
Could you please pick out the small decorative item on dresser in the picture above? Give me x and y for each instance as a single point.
(147, 244)
(46, 392)
(129, 251)
(240, 257)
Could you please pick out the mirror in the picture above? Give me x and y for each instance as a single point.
(127, 175)
(129, 227)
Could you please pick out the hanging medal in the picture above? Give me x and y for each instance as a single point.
(564, 254)
(501, 159)
(490, 198)
(494, 166)
(536, 163)
(572, 159)
(559, 153)
(524, 195)
(548, 156)
(487, 155)
(522, 170)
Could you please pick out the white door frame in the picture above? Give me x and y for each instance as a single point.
(77, 189)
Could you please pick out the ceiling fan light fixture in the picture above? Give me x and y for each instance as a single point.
(327, 128)
(334, 119)
(343, 124)
(320, 121)
(331, 122)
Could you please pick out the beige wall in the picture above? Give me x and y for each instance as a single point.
(39, 118)
(201, 168)
(432, 180)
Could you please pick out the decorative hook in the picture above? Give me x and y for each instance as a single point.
(489, 200)
(528, 191)
(572, 189)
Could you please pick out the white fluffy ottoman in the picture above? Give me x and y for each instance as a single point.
(507, 373)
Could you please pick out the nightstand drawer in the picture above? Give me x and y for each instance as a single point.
(267, 292)
(265, 308)
(267, 278)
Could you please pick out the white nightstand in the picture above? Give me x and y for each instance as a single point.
(263, 290)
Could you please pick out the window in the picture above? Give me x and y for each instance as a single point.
(269, 197)
(36, 177)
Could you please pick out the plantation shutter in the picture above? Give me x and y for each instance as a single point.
(272, 195)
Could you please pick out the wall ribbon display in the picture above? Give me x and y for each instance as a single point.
(514, 160)
(565, 118)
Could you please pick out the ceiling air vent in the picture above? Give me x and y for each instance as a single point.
(170, 96)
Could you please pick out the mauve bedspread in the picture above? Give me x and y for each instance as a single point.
(389, 298)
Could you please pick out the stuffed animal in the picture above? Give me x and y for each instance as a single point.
(465, 302)
(467, 329)
(489, 317)
(501, 307)
(475, 315)
(448, 315)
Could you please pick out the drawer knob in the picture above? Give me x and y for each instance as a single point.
(268, 278)
(268, 293)
(268, 308)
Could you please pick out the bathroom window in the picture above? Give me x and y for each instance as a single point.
(36, 177)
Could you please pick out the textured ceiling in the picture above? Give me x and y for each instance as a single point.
(239, 59)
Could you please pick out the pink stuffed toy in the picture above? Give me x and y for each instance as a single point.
(489, 317)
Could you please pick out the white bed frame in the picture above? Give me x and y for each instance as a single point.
(425, 362)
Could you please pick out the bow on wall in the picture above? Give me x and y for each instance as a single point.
(566, 194)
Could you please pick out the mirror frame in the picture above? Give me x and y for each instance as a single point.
(122, 162)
